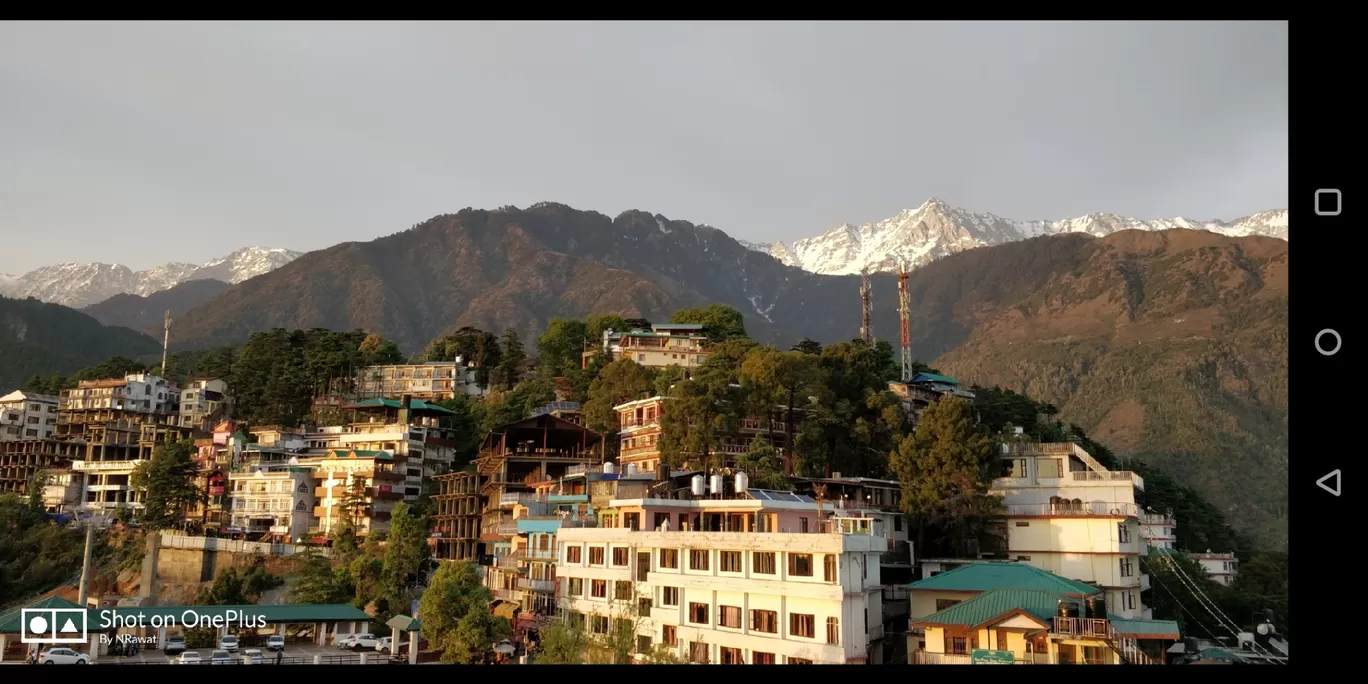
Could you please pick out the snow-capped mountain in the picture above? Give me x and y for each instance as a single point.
(935, 229)
(79, 285)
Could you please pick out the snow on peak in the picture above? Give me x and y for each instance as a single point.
(82, 284)
(936, 229)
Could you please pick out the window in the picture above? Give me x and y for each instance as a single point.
(758, 658)
(669, 558)
(622, 591)
(596, 555)
(799, 661)
(957, 645)
(762, 562)
(669, 596)
(698, 613)
(643, 644)
(729, 561)
(698, 652)
(644, 606)
(1129, 599)
(802, 625)
(942, 604)
(1024, 559)
(1127, 568)
(802, 526)
(575, 586)
(1023, 524)
(667, 635)
(834, 629)
(660, 518)
(1123, 532)
(573, 554)
(599, 624)
(829, 568)
(800, 564)
(897, 523)
(766, 621)
(598, 588)
(730, 656)
(698, 560)
(729, 616)
(621, 556)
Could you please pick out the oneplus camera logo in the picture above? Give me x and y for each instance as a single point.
(53, 626)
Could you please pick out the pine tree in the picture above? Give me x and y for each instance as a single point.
(512, 358)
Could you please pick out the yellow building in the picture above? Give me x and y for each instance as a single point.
(665, 344)
(1012, 612)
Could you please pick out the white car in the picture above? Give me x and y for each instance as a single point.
(228, 643)
(359, 642)
(221, 657)
(253, 657)
(63, 656)
(275, 643)
(190, 658)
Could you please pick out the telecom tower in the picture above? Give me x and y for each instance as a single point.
(905, 318)
(866, 333)
(166, 341)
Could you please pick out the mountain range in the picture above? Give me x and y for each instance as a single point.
(935, 229)
(82, 284)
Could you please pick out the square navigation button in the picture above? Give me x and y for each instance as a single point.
(1328, 202)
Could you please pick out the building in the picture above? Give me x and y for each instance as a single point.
(456, 517)
(756, 577)
(61, 491)
(1157, 529)
(216, 456)
(135, 393)
(665, 344)
(639, 432)
(276, 504)
(430, 381)
(27, 415)
(1220, 567)
(1067, 514)
(356, 486)
(1005, 613)
(21, 462)
(415, 430)
(924, 388)
(204, 403)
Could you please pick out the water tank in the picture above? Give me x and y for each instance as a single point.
(696, 485)
(1068, 609)
(1096, 607)
(742, 482)
(631, 469)
(716, 484)
(609, 468)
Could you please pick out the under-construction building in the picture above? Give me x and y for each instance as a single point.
(21, 461)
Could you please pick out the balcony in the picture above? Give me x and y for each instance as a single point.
(1108, 477)
(541, 585)
(758, 425)
(633, 423)
(1068, 509)
(104, 466)
(1158, 519)
(1083, 628)
(515, 498)
(568, 498)
(576, 470)
(1144, 582)
(509, 562)
(899, 553)
(323, 492)
(926, 658)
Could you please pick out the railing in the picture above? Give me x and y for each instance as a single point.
(178, 541)
(578, 469)
(1158, 519)
(542, 585)
(927, 658)
(509, 562)
(633, 423)
(512, 498)
(1100, 508)
(1108, 476)
(1084, 628)
(764, 425)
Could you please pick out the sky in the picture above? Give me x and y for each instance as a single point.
(142, 143)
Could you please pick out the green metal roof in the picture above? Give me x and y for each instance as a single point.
(990, 576)
(1153, 629)
(10, 623)
(361, 453)
(414, 405)
(932, 377)
(1041, 605)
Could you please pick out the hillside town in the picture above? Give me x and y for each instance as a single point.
(638, 544)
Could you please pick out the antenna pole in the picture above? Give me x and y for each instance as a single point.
(866, 333)
(905, 319)
(166, 341)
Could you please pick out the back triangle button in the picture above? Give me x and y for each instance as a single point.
(1330, 483)
(69, 626)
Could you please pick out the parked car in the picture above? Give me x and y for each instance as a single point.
(275, 643)
(221, 657)
(366, 641)
(253, 657)
(190, 658)
(385, 645)
(175, 645)
(228, 643)
(340, 640)
(63, 656)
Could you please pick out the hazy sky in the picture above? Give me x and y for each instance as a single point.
(145, 143)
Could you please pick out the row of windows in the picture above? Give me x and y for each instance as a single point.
(762, 562)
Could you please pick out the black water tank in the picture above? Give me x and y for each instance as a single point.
(1068, 609)
(1097, 607)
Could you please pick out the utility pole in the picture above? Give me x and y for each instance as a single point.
(905, 319)
(866, 333)
(166, 341)
(85, 563)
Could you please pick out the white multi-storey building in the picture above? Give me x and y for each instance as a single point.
(410, 429)
(1069, 515)
(433, 381)
(27, 415)
(761, 578)
(1221, 567)
(278, 503)
(203, 402)
(1157, 529)
(376, 475)
(136, 392)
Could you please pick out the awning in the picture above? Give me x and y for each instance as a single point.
(1146, 629)
(507, 610)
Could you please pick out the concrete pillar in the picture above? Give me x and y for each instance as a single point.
(161, 637)
(413, 647)
(94, 648)
(321, 633)
(318, 659)
(363, 658)
(281, 630)
(4, 644)
(223, 631)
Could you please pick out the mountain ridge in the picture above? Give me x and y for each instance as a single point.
(82, 284)
(935, 229)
